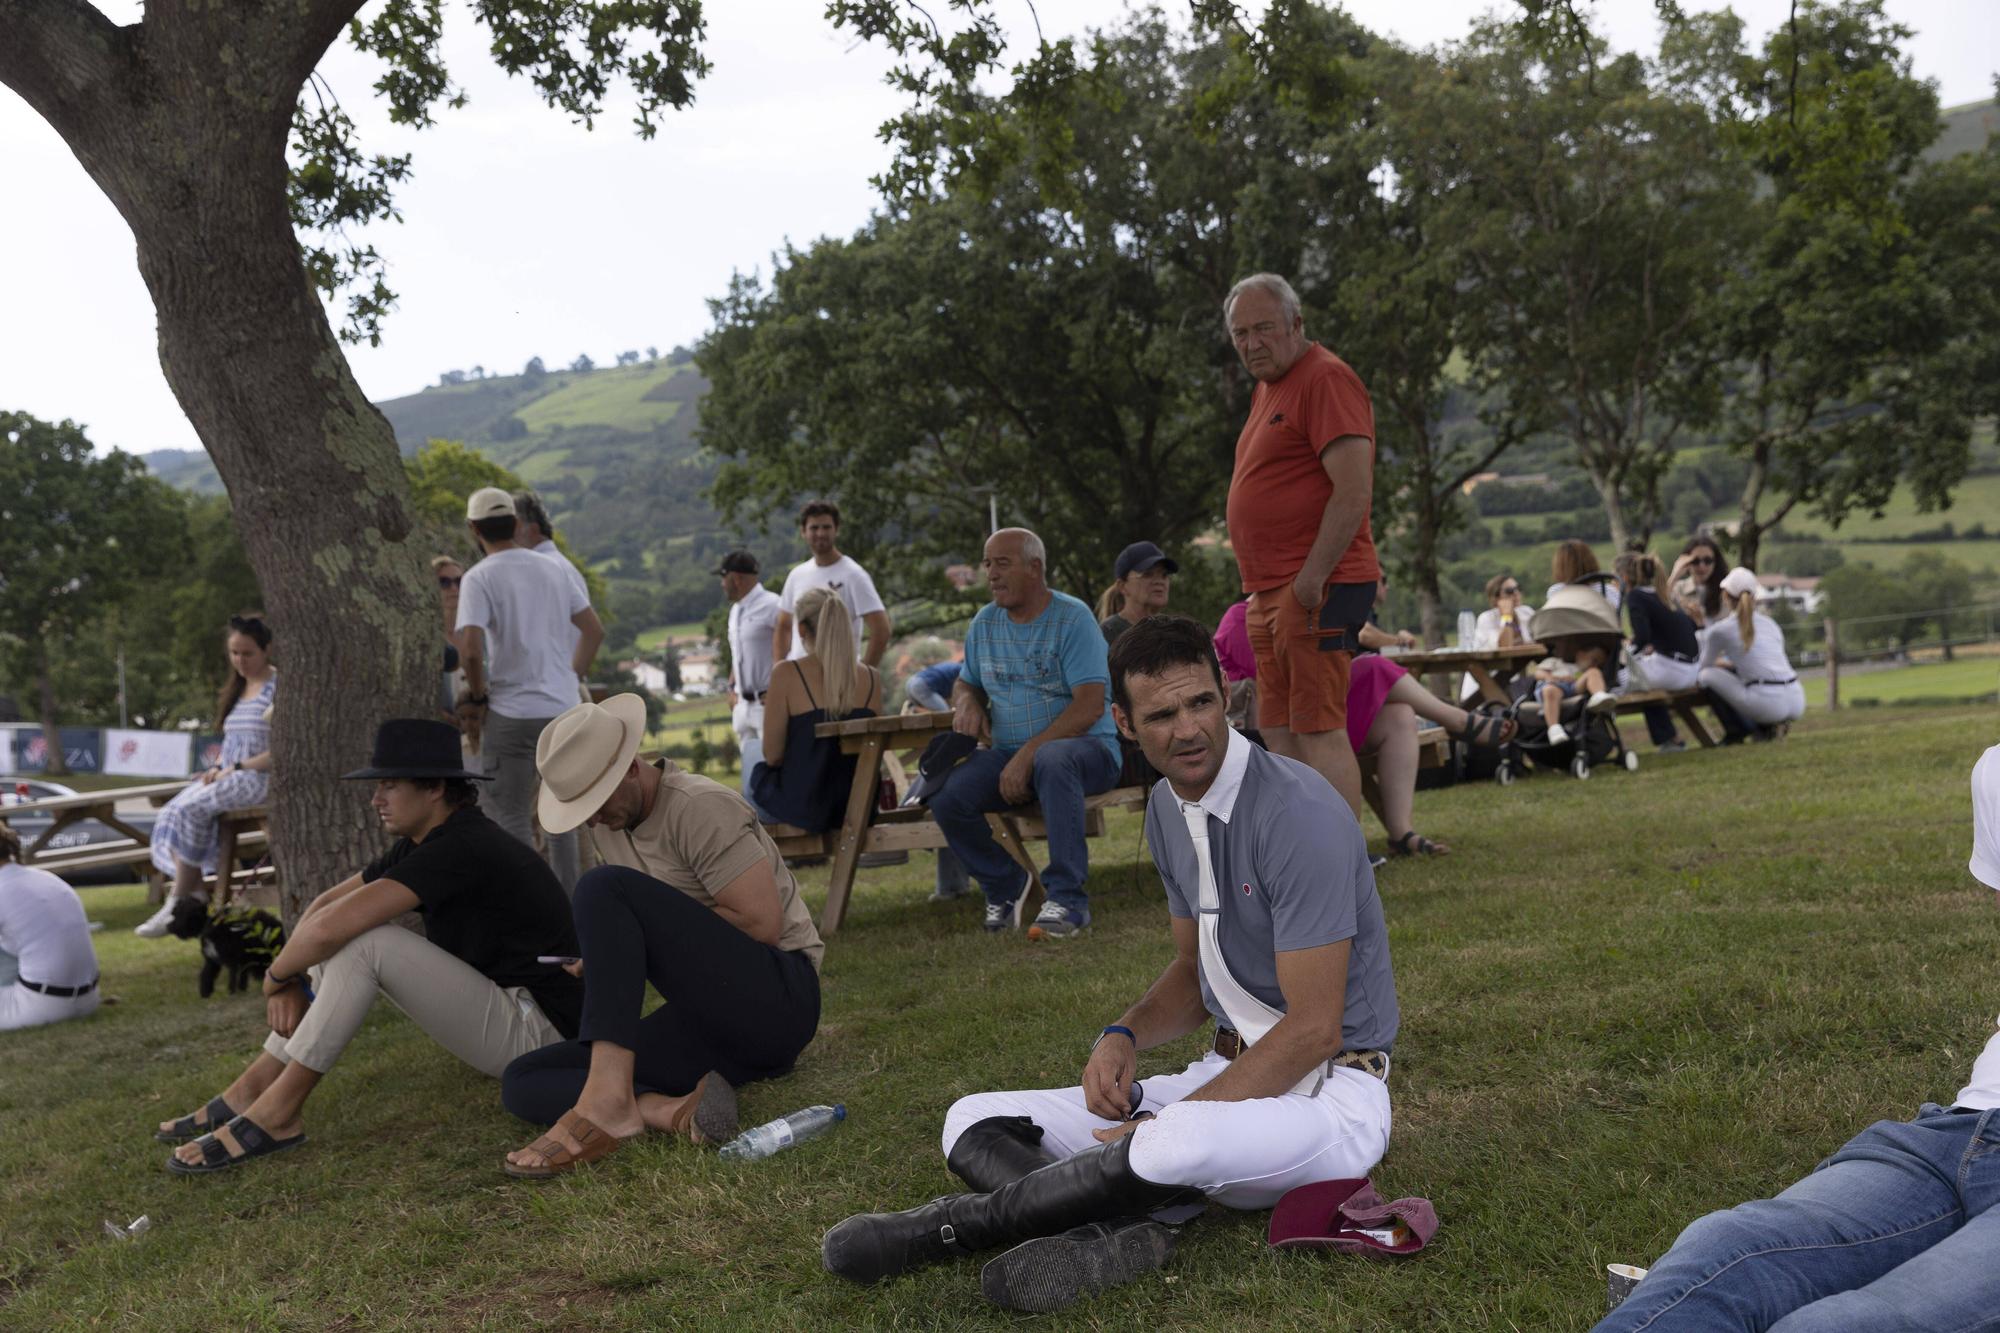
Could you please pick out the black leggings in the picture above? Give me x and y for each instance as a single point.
(733, 1005)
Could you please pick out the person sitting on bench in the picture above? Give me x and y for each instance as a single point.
(801, 779)
(694, 897)
(1035, 681)
(472, 982)
(1743, 661)
(1294, 968)
(53, 971)
(1897, 1230)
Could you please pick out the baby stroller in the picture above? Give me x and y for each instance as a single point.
(1574, 619)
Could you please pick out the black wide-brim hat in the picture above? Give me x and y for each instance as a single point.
(415, 747)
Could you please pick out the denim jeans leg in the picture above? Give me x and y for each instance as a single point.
(1066, 771)
(960, 810)
(1873, 1206)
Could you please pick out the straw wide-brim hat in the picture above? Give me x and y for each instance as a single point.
(583, 755)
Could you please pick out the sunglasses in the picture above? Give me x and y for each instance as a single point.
(1511, 590)
(1703, 560)
(447, 581)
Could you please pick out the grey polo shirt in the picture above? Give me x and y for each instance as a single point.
(1291, 872)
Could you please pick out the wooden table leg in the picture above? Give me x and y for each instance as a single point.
(225, 863)
(853, 832)
(1009, 838)
(1686, 709)
(1489, 689)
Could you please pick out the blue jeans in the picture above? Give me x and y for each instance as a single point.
(1066, 771)
(1895, 1233)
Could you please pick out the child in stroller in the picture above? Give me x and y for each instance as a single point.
(1568, 720)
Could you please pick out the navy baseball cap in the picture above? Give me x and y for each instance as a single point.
(1142, 556)
(737, 562)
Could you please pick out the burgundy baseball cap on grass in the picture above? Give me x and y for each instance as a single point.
(1348, 1215)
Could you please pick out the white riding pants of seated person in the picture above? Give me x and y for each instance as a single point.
(21, 1007)
(455, 1004)
(1245, 1155)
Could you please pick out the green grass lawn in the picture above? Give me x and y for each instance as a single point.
(1625, 1002)
(613, 396)
(651, 640)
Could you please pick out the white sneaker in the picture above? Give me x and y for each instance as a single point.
(155, 926)
(1601, 701)
(1556, 733)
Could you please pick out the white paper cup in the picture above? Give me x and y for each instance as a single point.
(1619, 1279)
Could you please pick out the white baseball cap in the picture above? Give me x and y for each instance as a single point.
(489, 502)
(1739, 581)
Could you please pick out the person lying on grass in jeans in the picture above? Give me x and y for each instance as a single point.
(1278, 935)
(694, 897)
(491, 907)
(1898, 1232)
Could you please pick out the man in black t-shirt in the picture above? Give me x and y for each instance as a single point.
(492, 909)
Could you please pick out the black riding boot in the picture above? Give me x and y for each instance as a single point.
(996, 1150)
(1095, 1185)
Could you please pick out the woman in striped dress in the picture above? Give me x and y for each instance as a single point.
(184, 838)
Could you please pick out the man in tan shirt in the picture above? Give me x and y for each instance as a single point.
(694, 897)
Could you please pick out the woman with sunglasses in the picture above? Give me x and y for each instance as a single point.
(184, 837)
(1505, 622)
(1697, 578)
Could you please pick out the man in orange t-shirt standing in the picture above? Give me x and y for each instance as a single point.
(1298, 519)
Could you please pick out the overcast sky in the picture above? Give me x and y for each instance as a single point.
(526, 236)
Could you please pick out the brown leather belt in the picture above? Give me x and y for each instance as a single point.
(1229, 1044)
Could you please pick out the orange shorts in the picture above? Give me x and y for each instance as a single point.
(1303, 656)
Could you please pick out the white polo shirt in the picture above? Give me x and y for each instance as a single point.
(845, 577)
(523, 603)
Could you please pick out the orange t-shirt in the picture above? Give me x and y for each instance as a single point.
(1280, 491)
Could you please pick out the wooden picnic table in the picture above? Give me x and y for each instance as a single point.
(101, 806)
(868, 739)
(1490, 668)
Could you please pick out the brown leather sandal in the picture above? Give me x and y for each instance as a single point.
(558, 1158)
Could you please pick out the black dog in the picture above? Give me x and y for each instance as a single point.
(239, 940)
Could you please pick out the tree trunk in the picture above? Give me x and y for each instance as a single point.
(314, 477)
(1749, 528)
(1614, 507)
(1424, 573)
(58, 763)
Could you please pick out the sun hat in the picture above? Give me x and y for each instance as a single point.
(1739, 581)
(583, 755)
(488, 502)
(1142, 556)
(416, 747)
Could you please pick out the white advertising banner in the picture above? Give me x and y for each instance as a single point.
(147, 754)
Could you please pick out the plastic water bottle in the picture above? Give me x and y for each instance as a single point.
(755, 1144)
(1468, 628)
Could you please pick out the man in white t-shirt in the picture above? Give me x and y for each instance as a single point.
(753, 619)
(534, 531)
(1897, 1230)
(819, 524)
(522, 662)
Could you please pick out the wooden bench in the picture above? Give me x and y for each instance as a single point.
(1683, 703)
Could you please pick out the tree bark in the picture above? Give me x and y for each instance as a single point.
(1606, 483)
(58, 762)
(192, 153)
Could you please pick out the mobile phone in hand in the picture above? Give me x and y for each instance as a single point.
(557, 959)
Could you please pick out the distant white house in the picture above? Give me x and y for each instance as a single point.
(652, 679)
(1802, 595)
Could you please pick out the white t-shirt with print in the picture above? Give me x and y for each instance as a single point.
(845, 577)
(523, 604)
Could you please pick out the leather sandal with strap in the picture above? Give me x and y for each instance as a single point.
(558, 1158)
(215, 1154)
(1414, 843)
(213, 1115)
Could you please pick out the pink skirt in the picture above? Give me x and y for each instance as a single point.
(1370, 677)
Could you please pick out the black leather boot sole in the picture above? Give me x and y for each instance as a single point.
(1055, 1272)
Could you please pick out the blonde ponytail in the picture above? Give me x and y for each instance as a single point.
(1112, 601)
(824, 615)
(1746, 624)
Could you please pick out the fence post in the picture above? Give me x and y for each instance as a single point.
(1832, 665)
